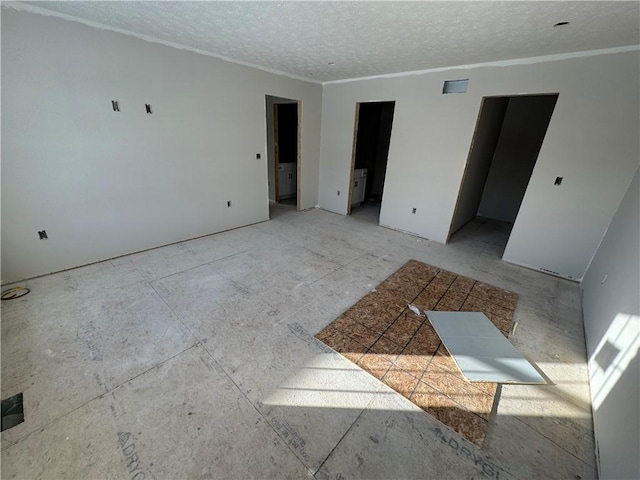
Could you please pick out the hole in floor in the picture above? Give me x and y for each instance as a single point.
(12, 412)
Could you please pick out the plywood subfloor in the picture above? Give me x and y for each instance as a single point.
(385, 338)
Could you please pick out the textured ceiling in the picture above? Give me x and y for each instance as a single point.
(368, 38)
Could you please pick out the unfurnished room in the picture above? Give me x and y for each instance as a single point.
(329, 240)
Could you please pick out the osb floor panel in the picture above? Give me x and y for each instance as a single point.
(385, 338)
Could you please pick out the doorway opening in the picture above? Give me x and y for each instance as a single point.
(504, 149)
(371, 140)
(284, 149)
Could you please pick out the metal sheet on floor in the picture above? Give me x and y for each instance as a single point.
(481, 352)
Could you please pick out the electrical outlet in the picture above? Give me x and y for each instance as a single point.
(43, 235)
(257, 156)
(229, 203)
(558, 181)
(338, 192)
(413, 211)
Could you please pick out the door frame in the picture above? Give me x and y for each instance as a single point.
(466, 168)
(353, 156)
(276, 150)
(299, 157)
(355, 146)
(473, 140)
(276, 153)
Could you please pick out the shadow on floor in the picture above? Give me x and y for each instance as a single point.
(279, 209)
(423, 447)
(368, 211)
(289, 201)
(490, 235)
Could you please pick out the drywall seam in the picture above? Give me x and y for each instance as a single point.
(19, 6)
(610, 314)
(499, 63)
(602, 239)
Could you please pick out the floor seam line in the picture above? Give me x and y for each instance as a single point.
(151, 368)
(226, 374)
(552, 441)
(198, 341)
(340, 267)
(340, 441)
(102, 395)
(191, 268)
(222, 369)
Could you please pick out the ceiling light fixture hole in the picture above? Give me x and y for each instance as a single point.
(561, 24)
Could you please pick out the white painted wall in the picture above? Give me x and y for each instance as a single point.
(525, 124)
(105, 184)
(592, 142)
(480, 157)
(611, 312)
